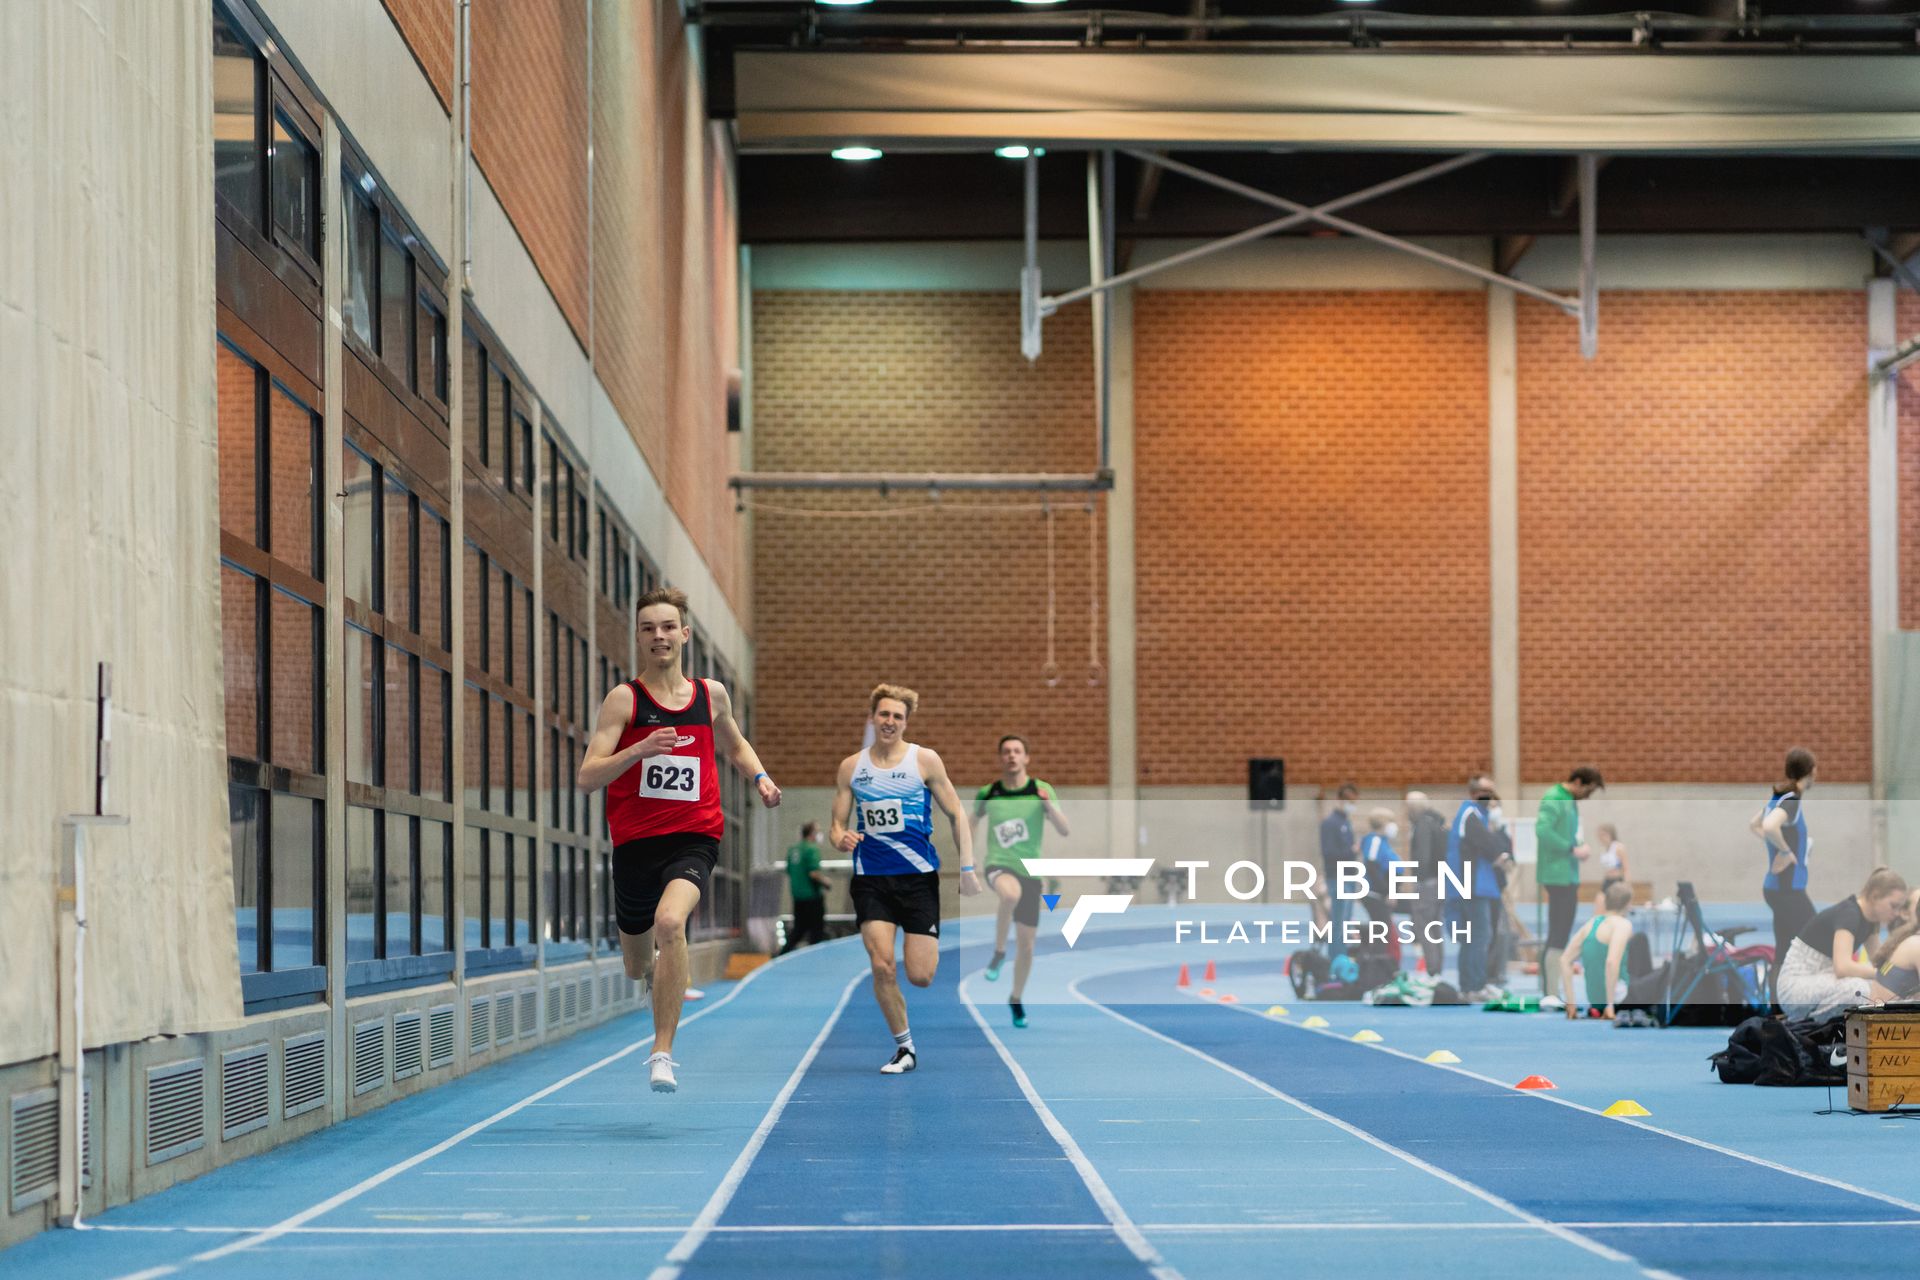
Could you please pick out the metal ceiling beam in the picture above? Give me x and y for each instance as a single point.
(1299, 217)
(925, 481)
(1570, 305)
(1647, 29)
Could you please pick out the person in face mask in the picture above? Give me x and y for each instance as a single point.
(1478, 837)
(1336, 846)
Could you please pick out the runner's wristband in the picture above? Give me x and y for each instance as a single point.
(760, 775)
(967, 868)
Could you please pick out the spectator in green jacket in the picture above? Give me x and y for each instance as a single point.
(808, 883)
(1556, 832)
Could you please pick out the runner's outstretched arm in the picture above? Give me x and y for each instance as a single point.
(934, 770)
(730, 744)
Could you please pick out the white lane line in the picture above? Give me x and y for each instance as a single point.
(1123, 1226)
(1479, 1192)
(392, 1171)
(909, 1228)
(1909, 1205)
(696, 1235)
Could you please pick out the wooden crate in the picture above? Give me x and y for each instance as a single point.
(1881, 1095)
(1875, 1026)
(1883, 1059)
(1884, 1062)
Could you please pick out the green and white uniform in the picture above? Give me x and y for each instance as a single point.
(1016, 820)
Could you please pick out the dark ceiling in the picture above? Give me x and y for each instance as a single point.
(926, 196)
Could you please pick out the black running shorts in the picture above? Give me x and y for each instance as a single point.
(643, 868)
(1027, 910)
(911, 901)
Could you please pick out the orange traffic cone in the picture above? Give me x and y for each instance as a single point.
(1209, 975)
(1535, 1082)
(1184, 981)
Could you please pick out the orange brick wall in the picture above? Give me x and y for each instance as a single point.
(1909, 312)
(949, 599)
(428, 28)
(1693, 538)
(1312, 533)
(662, 284)
(530, 133)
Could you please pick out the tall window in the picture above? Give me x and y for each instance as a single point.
(272, 566)
(571, 700)
(503, 831)
(399, 709)
(271, 607)
(397, 479)
(613, 664)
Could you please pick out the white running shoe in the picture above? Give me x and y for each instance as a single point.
(903, 1061)
(660, 1069)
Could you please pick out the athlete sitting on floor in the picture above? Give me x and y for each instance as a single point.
(1820, 974)
(1601, 944)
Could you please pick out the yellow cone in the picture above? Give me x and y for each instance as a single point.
(1442, 1057)
(1368, 1037)
(1626, 1107)
(1276, 1011)
(1315, 1021)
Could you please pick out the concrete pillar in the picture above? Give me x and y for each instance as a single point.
(457, 530)
(1503, 546)
(1123, 730)
(1883, 542)
(333, 436)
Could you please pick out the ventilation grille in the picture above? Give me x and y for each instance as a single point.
(440, 1036)
(553, 1003)
(479, 1025)
(243, 1091)
(406, 1045)
(35, 1155)
(86, 1135)
(369, 1056)
(586, 995)
(529, 1012)
(175, 1109)
(503, 1018)
(303, 1069)
(606, 990)
(570, 1002)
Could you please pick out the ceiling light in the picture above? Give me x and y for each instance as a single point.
(1018, 151)
(842, 4)
(857, 153)
(1037, 1)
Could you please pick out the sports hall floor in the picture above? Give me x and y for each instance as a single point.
(1132, 1130)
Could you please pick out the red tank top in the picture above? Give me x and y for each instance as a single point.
(673, 794)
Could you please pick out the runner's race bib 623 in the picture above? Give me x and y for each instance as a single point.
(671, 778)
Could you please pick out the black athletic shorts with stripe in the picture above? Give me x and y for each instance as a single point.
(910, 901)
(643, 868)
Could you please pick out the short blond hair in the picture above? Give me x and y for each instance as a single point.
(664, 595)
(1379, 818)
(1619, 896)
(898, 692)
